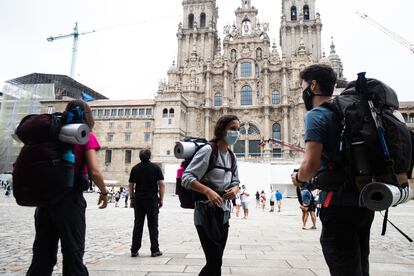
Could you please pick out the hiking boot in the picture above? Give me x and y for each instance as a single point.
(134, 254)
(156, 254)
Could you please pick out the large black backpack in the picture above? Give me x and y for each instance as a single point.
(188, 197)
(40, 176)
(375, 150)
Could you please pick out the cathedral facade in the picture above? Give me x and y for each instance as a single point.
(243, 74)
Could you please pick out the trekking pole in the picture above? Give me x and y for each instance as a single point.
(378, 123)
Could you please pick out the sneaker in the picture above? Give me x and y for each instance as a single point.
(134, 254)
(156, 254)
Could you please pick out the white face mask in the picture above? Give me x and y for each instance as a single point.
(232, 136)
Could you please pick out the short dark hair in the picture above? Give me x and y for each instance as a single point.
(87, 112)
(145, 155)
(219, 129)
(323, 74)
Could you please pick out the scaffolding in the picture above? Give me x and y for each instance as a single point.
(18, 100)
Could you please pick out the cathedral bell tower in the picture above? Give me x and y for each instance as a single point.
(198, 30)
(300, 24)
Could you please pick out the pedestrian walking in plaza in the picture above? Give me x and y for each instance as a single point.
(65, 221)
(244, 198)
(263, 200)
(147, 188)
(257, 196)
(345, 226)
(8, 189)
(238, 204)
(214, 190)
(126, 195)
(279, 198)
(118, 197)
(307, 207)
(272, 201)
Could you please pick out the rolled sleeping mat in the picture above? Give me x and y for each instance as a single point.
(379, 196)
(76, 134)
(184, 150)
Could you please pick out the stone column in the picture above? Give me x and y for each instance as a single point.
(293, 43)
(210, 46)
(318, 43)
(285, 89)
(180, 61)
(203, 46)
(187, 47)
(207, 122)
(266, 84)
(226, 91)
(208, 94)
(246, 142)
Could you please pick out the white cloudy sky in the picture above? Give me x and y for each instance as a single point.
(135, 41)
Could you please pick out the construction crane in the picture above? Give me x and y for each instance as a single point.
(75, 36)
(393, 35)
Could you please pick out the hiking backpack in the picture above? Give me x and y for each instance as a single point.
(377, 146)
(42, 174)
(189, 197)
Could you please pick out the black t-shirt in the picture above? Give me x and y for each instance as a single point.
(146, 175)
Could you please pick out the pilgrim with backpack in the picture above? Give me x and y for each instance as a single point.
(212, 177)
(52, 175)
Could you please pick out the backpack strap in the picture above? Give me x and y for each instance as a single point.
(213, 160)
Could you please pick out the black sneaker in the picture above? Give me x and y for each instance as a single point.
(134, 254)
(156, 254)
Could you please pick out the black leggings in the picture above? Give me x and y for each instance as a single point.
(64, 221)
(212, 251)
(345, 239)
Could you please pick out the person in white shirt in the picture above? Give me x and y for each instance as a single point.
(244, 198)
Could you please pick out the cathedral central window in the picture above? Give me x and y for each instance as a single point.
(246, 69)
(246, 95)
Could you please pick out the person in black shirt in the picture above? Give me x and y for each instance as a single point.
(146, 185)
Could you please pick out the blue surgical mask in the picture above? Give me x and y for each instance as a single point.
(232, 136)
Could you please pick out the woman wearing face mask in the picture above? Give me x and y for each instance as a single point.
(214, 189)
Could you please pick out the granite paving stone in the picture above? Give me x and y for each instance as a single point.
(256, 246)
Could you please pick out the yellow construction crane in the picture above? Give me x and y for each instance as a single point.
(388, 32)
(75, 36)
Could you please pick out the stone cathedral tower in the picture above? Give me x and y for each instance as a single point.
(197, 30)
(300, 24)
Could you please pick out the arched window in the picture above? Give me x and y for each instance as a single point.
(293, 13)
(276, 134)
(253, 130)
(165, 113)
(242, 129)
(191, 21)
(306, 12)
(217, 99)
(246, 95)
(171, 112)
(275, 97)
(257, 71)
(202, 20)
(246, 69)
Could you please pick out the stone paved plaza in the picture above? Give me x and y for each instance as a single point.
(265, 244)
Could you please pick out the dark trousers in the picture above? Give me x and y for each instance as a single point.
(345, 239)
(64, 221)
(213, 252)
(145, 207)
